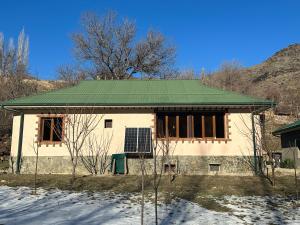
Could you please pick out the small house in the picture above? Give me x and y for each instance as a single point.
(207, 130)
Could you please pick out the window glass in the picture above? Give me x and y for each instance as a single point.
(57, 129)
(108, 123)
(198, 125)
(161, 126)
(172, 125)
(46, 130)
(220, 129)
(208, 120)
(51, 129)
(183, 126)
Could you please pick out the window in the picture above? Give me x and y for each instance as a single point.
(208, 126)
(161, 125)
(220, 125)
(169, 168)
(108, 123)
(198, 125)
(172, 126)
(51, 129)
(183, 126)
(215, 167)
(191, 125)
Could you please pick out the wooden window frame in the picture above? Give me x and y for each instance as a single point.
(191, 127)
(41, 129)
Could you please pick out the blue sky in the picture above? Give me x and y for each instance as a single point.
(206, 33)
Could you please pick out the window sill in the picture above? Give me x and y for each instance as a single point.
(174, 139)
(50, 143)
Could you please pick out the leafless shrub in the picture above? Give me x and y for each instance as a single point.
(94, 156)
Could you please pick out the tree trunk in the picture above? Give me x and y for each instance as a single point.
(295, 170)
(142, 201)
(36, 169)
(155, 187)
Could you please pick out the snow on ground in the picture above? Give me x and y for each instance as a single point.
(19, 206)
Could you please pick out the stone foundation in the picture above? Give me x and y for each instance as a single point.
(199, 165)
(187, 165)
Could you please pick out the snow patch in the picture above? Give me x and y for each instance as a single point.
(19, 206)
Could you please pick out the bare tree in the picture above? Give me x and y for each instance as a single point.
(35, 147)
(162, 156)
(109, 46)
(143, 173)
(94, 156)
(259, 134)
(13, 70)
(71, 75)
(228, 77)
(187, 75)
(75, 130)
(14, 61)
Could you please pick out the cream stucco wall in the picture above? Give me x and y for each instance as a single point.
(238, 145)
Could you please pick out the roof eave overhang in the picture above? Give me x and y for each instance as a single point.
(260, 107)
(287, 130)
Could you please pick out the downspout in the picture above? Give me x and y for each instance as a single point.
(254, 142)
(20, 141)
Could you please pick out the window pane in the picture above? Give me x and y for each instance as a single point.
(197, 126)
(190, 126)
(220, 129)
(130, 140)
(108, 123)
(183, 126)
(57, 129)
(172, 125)
(161, 126)
(144, 140)
(208, 120)
(46, 132)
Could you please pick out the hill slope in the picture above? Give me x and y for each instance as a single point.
(277, 78)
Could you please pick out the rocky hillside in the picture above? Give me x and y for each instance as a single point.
(278, 78)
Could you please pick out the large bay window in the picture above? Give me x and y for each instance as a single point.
(210, 125)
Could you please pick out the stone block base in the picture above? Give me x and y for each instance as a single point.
(186, 165)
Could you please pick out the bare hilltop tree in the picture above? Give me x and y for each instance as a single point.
(13, 69)
(228, 77)
(109, 46)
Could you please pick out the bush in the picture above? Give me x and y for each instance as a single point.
(287, 163)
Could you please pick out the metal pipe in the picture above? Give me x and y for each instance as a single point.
(254, 143)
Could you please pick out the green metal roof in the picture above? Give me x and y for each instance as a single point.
(137, 93)
(287, 128)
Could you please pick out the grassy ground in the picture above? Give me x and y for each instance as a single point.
(4, 165)
(198, 189)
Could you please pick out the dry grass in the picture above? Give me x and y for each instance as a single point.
(199, 189)
(187, 187)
